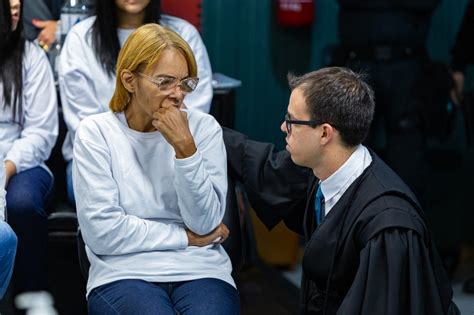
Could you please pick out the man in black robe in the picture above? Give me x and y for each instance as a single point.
(369, 249)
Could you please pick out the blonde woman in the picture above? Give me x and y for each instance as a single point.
(150, 184)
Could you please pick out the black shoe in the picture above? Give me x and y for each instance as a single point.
(469, 285)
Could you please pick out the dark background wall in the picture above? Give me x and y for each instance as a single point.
(245, 42)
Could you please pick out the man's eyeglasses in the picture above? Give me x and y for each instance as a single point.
(290, 121)
(165, 83)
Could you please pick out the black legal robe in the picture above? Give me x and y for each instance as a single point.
(373, 246)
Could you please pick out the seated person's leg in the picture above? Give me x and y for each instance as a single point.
(129, 297)
(206, 297)
(28, 193)
(8, 242)
(70, 188)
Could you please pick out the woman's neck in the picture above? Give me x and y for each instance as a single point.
(138, 120)
(128, 20)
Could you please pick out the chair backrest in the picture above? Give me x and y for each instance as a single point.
(233, 244)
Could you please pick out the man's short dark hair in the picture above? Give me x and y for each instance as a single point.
(339, 97)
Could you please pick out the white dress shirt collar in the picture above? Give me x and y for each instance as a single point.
(336, 185)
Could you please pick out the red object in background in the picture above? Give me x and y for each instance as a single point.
(189, 10)
(295, 13)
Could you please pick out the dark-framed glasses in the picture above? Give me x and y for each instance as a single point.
(167, 83)
(289, 122)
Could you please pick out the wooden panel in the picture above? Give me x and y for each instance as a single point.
(278, 247)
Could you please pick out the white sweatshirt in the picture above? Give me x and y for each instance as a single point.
(86, 88)
(3, 203)
(135, 199)
(28, 143)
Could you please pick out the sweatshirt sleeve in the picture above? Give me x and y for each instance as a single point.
(201, 181)
(40, 113)
(107, 229)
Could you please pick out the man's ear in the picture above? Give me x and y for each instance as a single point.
(328, 133)
(128, 80)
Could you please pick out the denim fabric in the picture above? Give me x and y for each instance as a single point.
(8, 243)
(28, 194)
(69, 187)
(197, 297)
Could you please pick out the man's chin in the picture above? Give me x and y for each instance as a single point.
(293, 158)
(296, 161)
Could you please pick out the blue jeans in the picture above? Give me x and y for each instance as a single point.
(28, 194)
(197, 297)
(8, 242)
(69, 187)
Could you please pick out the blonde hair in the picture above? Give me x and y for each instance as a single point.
(142, 49)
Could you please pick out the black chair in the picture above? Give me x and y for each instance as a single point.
(66, 283)
(232, 245)
(62, 219)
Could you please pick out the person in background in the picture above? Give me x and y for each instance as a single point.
(150, 181)
(89, 55)
(29, 128)
(387, 40)
(8, 241)
(40, 19)
(462, 56)
(369, 249)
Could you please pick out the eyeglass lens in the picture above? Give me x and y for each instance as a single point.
(165, 84)
(186, 85)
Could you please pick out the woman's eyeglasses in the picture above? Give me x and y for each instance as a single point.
(166, 83)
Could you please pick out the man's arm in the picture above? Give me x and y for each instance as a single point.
(276, 187)
(35, 9)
